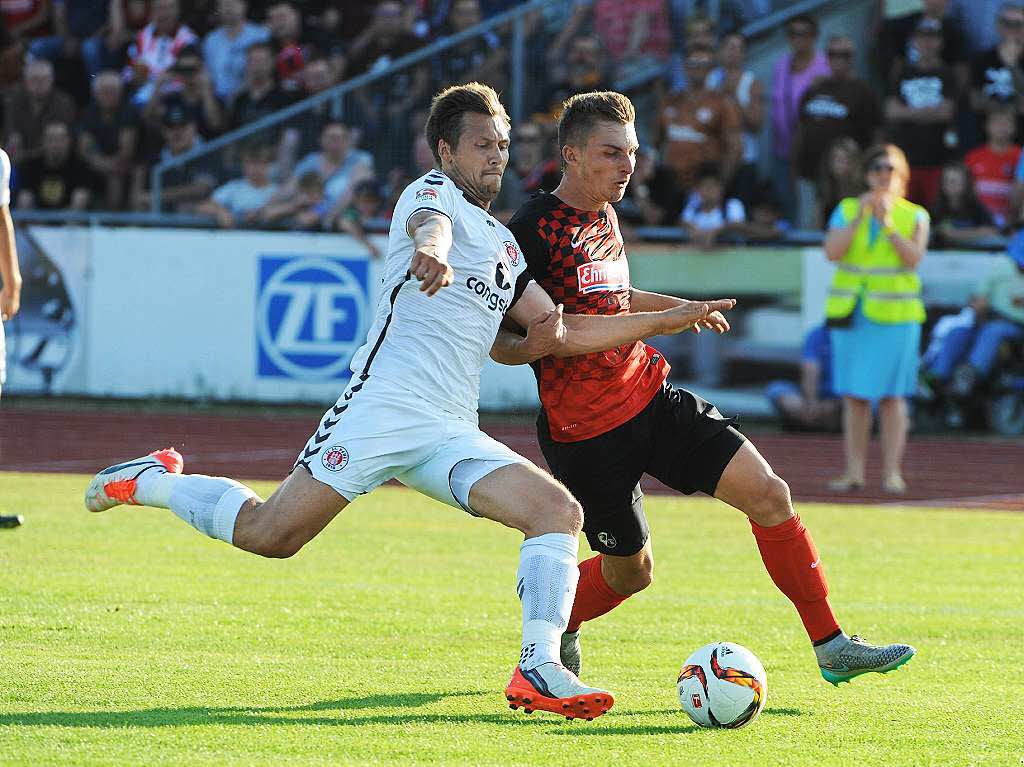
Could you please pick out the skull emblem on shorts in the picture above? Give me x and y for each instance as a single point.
(335, 458)
(607, 539)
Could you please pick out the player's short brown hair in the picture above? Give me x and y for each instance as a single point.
(582, 112)
(448, 106)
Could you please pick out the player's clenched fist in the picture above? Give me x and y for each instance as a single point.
(431, 270)
(545, 334)
(697, 314)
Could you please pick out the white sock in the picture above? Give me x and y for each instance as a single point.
(546, 582)
(209, 504)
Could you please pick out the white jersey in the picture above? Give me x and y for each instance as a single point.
(5, 179)
(436, 346)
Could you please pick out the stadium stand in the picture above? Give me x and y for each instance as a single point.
(167, 100)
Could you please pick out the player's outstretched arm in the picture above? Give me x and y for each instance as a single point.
(645, 301)
(585, 333)
(592, 332)
(432, 236)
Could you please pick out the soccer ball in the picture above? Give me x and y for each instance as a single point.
(722, 685)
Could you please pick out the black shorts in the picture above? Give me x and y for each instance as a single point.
(679, 439)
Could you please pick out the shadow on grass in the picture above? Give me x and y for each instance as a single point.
(587, 730)
(263, 715)
(683, 728)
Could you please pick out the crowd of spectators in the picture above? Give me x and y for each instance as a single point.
(95, 92)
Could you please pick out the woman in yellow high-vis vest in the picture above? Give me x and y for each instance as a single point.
(875, 311)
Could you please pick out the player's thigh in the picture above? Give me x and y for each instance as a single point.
(524, 497)
(692, 442)
(603, 473)
(473, 471)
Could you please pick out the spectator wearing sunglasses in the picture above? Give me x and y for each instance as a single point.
(996, 74)
(875, 311)
(836, 106)
(920, 113)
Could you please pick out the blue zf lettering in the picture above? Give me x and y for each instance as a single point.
(310, 316)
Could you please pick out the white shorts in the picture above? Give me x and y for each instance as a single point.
(378, 431)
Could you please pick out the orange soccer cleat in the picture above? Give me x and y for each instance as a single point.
(552, 687)
(118, 483)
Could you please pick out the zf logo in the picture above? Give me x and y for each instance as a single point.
(310, 315)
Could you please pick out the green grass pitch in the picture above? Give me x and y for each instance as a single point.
(126, 638)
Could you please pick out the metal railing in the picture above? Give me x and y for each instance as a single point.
(516, 17)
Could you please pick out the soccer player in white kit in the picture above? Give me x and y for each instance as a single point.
(451, 275)
(10, 277)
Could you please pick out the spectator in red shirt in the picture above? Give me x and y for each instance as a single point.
(632, 32)
(26, 18)
(156, 47)
(994, 163)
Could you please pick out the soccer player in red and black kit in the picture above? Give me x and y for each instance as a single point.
(610, 417)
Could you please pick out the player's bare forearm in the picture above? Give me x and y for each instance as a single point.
(545, 335)
(431, 233)
(645, 301)
(510, 349)
(586, 333)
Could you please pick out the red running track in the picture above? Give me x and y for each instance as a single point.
(948, 471)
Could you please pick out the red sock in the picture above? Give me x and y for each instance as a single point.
(793, 563)
(594, 596)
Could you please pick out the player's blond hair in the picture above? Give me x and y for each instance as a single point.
(448, 106)
(581, 114)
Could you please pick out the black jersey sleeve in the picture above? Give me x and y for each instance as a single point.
(526, 228)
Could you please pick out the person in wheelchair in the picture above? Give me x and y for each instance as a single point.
(970, 351)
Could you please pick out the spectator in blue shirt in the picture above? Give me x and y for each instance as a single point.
(77, 26)
(224, 48)
(239, 201)
(813, 404)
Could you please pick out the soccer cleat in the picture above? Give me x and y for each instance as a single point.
(854, 657)
(118, 483)
(552, 687)
(571, 652)
(11, 520)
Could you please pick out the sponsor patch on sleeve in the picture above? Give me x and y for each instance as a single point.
(426, 195)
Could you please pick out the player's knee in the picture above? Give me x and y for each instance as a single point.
(276, 543)
(773, 504)
(569, 514)
(284, 548)
(640, 577)
(556, 512)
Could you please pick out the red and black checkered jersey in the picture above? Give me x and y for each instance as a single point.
(578, 257)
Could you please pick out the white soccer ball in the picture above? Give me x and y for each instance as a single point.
(722, 685)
